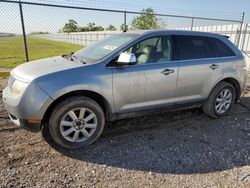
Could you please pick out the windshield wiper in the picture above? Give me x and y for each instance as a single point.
(72, 57)
(81, 61)
(68, 56)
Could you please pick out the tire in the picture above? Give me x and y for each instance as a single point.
(69, 130)
(215, 99)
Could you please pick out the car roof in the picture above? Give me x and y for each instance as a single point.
(173, 32)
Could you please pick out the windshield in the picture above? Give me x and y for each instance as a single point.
(101, 49)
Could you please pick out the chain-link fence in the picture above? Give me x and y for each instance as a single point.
(34, 30)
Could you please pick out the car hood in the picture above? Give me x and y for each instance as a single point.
(34, 69)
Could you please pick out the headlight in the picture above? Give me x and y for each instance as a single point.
(18, 87)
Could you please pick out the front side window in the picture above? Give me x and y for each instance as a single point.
(192, 47)
(101, 49)
(152, 50)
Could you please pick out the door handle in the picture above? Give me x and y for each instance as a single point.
(214, 66)
(167, 71)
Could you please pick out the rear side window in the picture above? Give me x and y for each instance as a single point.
(220, 48)
(192, 47)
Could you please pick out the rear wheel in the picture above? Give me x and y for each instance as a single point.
(76, 122)
(220, 101)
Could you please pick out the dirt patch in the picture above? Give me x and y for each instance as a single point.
(178, 149)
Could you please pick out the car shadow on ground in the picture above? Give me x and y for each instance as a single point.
(183, 142)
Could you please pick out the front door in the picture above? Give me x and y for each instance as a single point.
(151, 83)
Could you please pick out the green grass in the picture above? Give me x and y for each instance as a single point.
(12, 50)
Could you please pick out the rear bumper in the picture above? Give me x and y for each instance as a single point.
(25, 124)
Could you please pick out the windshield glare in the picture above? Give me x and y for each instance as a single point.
(103, 48)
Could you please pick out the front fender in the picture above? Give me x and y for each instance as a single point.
(96, 79)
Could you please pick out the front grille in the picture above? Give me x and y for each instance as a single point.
(11, 81)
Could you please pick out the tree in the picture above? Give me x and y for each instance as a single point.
(122, 27)
(91, 27)
(147, 20)
(162, 23)
(111, 28)
(60, 31)
(39, 32)
(71, 26)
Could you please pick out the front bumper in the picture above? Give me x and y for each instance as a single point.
(29, 108)
(25, 124)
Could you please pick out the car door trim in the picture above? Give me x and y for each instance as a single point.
(156, 110)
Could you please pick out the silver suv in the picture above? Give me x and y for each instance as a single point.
(123, 76)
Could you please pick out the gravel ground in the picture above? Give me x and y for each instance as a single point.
(181, 149)
(3, 81)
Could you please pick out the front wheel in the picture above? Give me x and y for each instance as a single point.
(76, 122)
(220, 100)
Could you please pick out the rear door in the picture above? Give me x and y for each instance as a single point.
(199, 68)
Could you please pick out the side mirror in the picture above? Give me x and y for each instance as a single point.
(126, 59)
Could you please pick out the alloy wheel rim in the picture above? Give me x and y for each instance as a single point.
(78, 124)
(223, 101)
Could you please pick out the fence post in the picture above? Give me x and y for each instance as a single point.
(244, 37)
(23, 30)
(125, 21)
(241, 28)
(192, 24)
